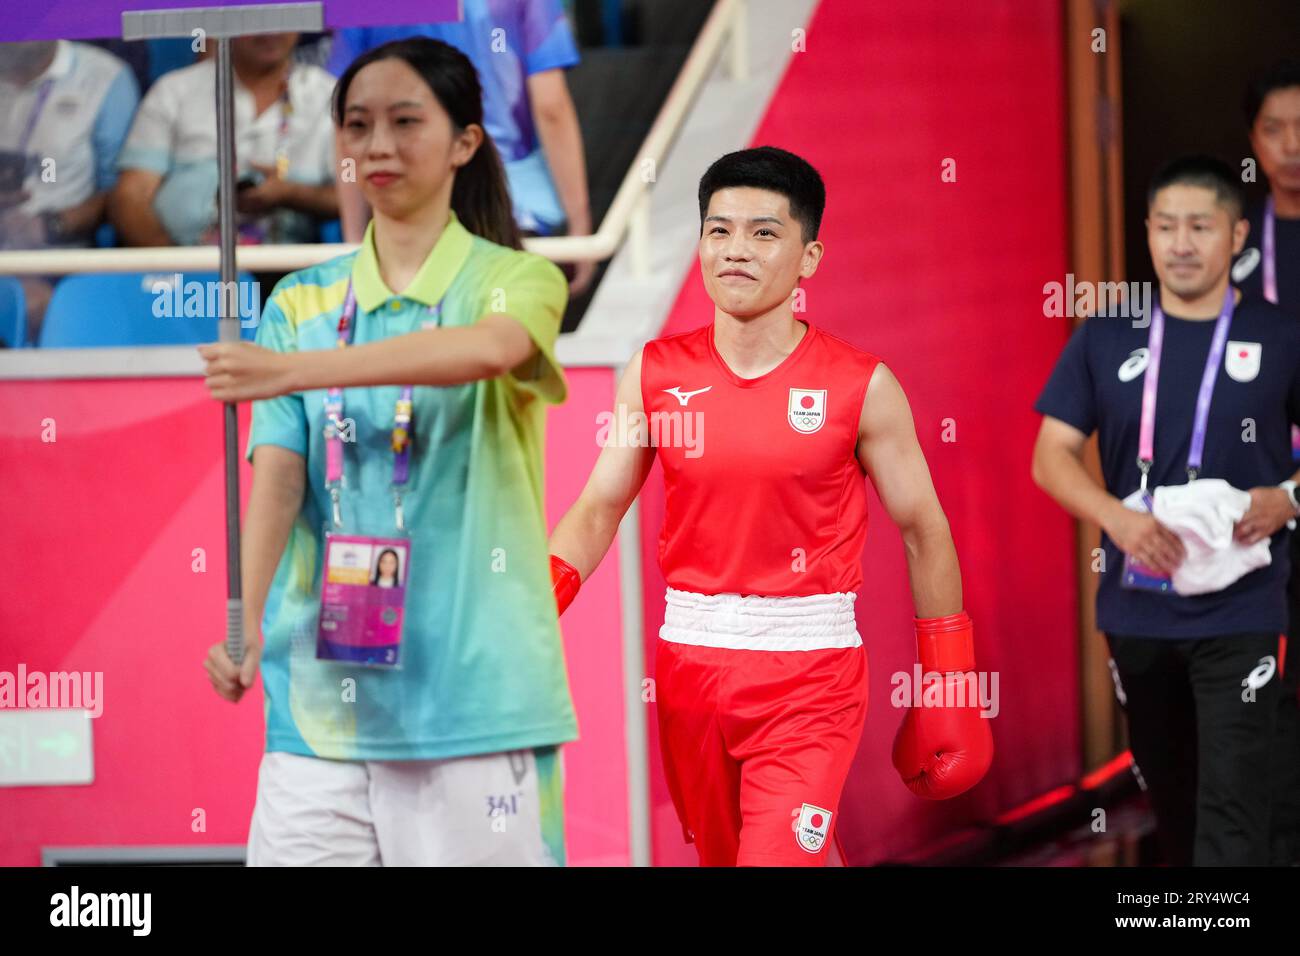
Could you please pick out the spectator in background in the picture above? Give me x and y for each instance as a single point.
(520, 49)
(167, 191)
(64, 112)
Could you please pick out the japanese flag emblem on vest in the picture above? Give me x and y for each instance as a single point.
(1241, 360)
(813, 826)
(807, 409)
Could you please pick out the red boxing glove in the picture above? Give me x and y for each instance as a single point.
(941, 751)
(566, 579)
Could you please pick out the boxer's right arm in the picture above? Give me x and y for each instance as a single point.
(587, 529)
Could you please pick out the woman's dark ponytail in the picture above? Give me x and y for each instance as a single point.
(480, 196)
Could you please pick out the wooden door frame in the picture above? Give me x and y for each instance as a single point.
(1096, 217)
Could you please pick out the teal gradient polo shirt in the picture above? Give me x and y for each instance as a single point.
(483, 667)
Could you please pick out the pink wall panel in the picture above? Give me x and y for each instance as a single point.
(595, 766)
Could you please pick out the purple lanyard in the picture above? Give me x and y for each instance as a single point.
(1270, 260)
(34, 117)
(1155, 345)
(403, 425)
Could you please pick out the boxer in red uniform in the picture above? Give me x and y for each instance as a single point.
(766, 426)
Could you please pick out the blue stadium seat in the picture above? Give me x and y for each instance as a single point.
(331, 231)
(13, 313)
(135, 308)
(169, 54)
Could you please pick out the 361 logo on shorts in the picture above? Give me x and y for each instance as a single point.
(812, 828)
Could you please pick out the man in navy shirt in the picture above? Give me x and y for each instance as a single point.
(1197, 675)
(1272, 106)
(1269, 267)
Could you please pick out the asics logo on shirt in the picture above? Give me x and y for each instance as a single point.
(684, 397)
(1134, 365)
(1246, 264)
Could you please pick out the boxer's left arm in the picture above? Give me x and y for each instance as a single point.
(889, 452)
(940, 751)
(586, 531)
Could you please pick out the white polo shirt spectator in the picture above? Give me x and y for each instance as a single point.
(75, 116)
(175, 135)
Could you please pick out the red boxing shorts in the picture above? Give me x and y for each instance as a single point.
(761, 702)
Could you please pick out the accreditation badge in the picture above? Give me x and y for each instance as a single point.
(363, 599)
(1138, 576)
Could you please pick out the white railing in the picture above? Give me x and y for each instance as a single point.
(627, 216)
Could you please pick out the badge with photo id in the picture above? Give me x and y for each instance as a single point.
(363, 599)
(1138, 576)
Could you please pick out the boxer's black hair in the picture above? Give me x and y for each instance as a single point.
(479, 195)
(767, 167)
(1280, 76)
(1206, 172)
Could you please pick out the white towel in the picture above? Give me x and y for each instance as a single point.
(1203, 513)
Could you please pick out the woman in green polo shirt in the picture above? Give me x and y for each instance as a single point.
(444, 749)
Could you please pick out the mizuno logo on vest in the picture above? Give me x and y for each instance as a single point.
(684, 397)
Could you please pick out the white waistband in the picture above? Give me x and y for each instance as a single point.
(759, 623)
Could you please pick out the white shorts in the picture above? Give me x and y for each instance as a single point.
(499, 809)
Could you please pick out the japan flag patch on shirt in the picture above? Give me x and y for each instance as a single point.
(1241, 360)
(812, 827)
(807, 409)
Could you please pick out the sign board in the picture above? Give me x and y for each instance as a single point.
(102, 19)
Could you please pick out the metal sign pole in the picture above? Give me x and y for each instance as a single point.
(221, 24)
(228, 331)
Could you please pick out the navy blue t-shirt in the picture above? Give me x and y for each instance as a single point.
(1097, 386)
(1248, 275)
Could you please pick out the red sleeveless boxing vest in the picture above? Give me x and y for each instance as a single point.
(764, 492)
